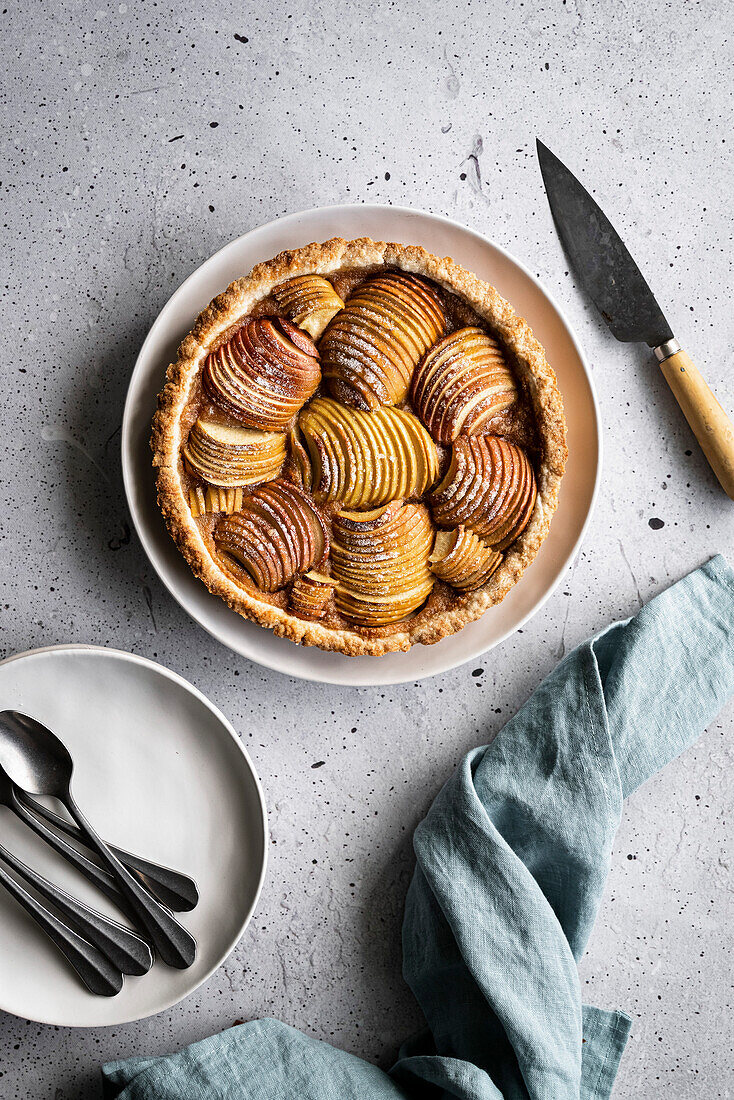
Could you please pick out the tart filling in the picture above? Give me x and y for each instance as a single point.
(359, 446)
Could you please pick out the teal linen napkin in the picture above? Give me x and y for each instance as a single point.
(511, 864)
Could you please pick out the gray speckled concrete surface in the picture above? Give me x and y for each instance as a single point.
(137, 138)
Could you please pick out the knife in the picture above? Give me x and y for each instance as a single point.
(616, 286)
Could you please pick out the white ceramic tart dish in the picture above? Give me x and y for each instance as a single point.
(360, 446)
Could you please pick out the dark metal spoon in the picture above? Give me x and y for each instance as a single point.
(174, 889)
(10, 797)
(125, 950)
(94, 968)
(38, 763)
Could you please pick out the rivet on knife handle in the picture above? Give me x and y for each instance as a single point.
(709, 423)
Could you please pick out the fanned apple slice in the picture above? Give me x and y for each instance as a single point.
(328, 472)
(277, 533)
(462, 383)
(383, 476)
(230, 455)
(419, 451)
(247, 538)
(197, 501)
(371, 348)
(379, 562)
(310, 301)
(520, 515)
(264, 373)
(461, 559)
(489, 487)
(214, 499)
(364, 459)
(300, 460)
(310, 595)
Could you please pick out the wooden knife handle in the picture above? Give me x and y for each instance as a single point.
(709, 423)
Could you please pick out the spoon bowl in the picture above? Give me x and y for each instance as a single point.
(32, 756)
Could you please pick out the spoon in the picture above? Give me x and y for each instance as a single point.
(96, 971)
(125, 950)
(172, 888)
(38, 763)
(10, 797)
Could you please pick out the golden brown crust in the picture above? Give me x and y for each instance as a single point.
(235, 302)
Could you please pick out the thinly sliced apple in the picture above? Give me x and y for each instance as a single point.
(310, 301)
(310, 595)
(230, 455)
(385, 475)
(277, 533)
(363, 459)
(197, 501)
(460, 558)
(264, 373)
(300, 460)
(251, 541)
(371, 348)
(379, 562)
(489, 488)
(378, 324)
(462, 383)
(521, 513)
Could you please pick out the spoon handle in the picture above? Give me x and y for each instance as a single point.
(125, 950)
(91, 871)
(174, 944)
(174, 889)
(96, 971)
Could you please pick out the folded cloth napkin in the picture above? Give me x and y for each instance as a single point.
(511, 864)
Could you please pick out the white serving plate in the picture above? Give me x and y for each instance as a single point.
(441, 236)
(158, 771)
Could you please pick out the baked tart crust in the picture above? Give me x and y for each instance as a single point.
(537, 380)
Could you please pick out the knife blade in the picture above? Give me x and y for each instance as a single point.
(598, 254)
(618, 288)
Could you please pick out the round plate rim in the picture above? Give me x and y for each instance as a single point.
(263, 659)
(136, 658)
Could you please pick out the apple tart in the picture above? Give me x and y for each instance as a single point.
(360, 446)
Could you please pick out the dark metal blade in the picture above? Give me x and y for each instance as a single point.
(609, 274)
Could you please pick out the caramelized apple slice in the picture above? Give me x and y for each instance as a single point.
(462, 383)
(489, 487)
(300, 460)
(379, 562)
(214, 499)
(371, 348)
(310, 301)
(197, 501)
(363, 459)
(263, 373)
(230, 455)
(461, 559)
(277, 533)
(310, 595)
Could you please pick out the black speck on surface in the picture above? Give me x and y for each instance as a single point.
(318, 764)
(655, 523)
(123, 540)
(241, 38)
(478, 672)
